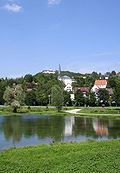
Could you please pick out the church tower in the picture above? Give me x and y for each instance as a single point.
(59, 73)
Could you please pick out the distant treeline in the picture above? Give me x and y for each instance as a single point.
(37, 87)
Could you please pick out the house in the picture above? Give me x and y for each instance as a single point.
(68, 82)
(99, 84)
(50, 71)
(85, 90)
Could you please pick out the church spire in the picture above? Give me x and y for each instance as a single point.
(59, 72)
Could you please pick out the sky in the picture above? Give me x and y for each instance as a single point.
(80, 35)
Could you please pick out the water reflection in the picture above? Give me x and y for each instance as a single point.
(33, 129)
(69, 123)
(100, 128)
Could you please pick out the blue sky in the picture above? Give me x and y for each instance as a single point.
(81, 35)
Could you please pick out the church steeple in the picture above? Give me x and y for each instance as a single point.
(59, 72)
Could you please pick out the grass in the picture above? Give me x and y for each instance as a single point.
(84, 157)
(33, 111)
(100, 110)
(109, 112)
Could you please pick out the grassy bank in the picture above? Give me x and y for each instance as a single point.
(99, 110)
(86, 157)
(33, 111)
(109, 112)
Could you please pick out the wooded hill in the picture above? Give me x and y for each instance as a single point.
(37, 87)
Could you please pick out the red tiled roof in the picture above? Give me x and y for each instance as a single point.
(83, 89)
(100, 82)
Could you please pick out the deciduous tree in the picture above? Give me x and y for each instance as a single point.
(57, 99)
(14, 97)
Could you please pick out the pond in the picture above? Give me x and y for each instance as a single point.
(16, 131)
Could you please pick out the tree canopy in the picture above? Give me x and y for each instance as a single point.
(14, 96)
(57, 99)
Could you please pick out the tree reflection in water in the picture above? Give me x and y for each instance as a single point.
(57, 128)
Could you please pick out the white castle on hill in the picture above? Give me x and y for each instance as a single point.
(50, 71)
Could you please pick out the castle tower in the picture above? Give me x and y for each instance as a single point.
(59, 73)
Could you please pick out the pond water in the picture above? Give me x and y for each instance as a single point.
(16, 131)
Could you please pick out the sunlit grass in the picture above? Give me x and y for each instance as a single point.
(86, 157)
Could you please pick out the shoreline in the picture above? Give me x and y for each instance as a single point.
(63, 113)
(98, 112)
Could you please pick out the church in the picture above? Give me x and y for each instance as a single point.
(66, 80)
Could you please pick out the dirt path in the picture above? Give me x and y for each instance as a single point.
(74, 111)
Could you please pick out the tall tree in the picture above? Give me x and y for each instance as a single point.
(103, 96)
(57, 99)
(92, 99)
(79, 98)
(30, 98)
(67, 99)
(14, 97)
(117, 91)
(42, 99)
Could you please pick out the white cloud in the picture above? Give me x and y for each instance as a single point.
(53, 2)
(13, 7)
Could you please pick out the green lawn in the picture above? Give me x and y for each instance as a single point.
(33, 111)
(109, 112)
(99, 110)
(86, 157)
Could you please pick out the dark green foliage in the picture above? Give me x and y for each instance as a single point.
(103, 96)
(3, 85)
(117, 91)
(79, 98)
(30, 98)
(86, 157)
(57, 98)
(28, 78)
(113, 73)
(67, 99)
(42, 99)
(42, 84)
(92, 99)
(111, 82)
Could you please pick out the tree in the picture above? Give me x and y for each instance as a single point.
(111, 82)
(103, 96)
(79, 98)
(67, 99)
(92, 99)
(42, 99)
(3, 85)
(113, 73)
(95, 75)
(117, 91)
(57, 99)
(30, 98)
(14, 96)
(28, 78)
